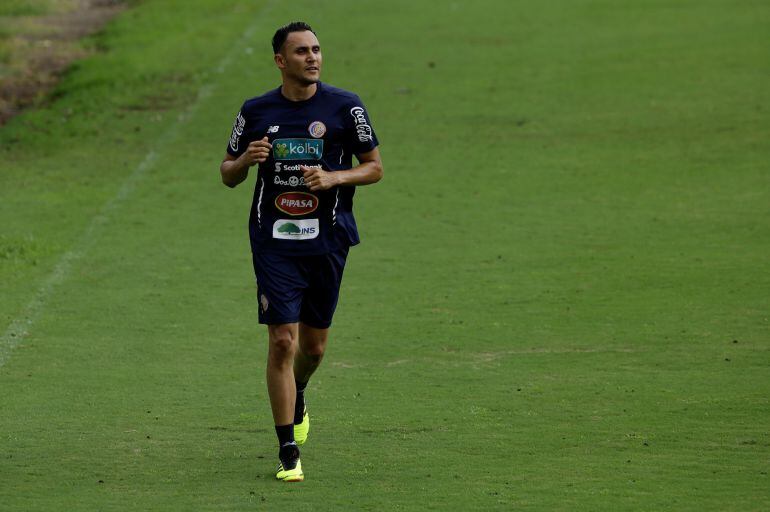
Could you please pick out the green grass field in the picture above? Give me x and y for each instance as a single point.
(561, 300)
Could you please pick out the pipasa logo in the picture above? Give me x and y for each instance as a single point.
(298, 149)
(301, 229)
(296, 203)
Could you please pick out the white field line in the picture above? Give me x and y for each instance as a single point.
(19, 328)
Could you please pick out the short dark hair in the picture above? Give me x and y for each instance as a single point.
(282, 33)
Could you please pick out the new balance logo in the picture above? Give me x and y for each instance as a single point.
(273, 129)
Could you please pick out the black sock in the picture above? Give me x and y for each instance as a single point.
(285, 434)
(299, 404)
(289, 455)
(288, 452)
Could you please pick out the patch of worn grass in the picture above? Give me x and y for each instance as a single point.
(37, 43)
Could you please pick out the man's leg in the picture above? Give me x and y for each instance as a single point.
(312, 344)
(280, 376)
(283, 343)
(318, 305)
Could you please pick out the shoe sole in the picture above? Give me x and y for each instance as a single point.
(296, 476)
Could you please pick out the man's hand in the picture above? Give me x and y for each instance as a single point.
(235, 170)
(316, 179)
(257, 152)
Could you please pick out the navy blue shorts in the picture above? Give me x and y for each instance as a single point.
(298, 288)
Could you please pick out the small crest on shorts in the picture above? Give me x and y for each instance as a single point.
(317, 129)
(263, 303)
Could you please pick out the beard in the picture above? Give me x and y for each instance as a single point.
(304, 80)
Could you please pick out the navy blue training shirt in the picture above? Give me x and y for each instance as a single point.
(324, 131)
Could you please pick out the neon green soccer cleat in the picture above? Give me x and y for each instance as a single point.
(301, 430)
(290, 475)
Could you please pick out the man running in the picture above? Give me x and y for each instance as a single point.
(303, 135)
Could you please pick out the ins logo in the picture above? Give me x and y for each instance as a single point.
(363, 129)
(301, 229)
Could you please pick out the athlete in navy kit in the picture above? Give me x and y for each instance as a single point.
(303, 135)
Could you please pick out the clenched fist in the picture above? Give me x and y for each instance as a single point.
(316, 179)
(257, 152)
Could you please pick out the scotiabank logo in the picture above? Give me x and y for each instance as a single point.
(296, 203)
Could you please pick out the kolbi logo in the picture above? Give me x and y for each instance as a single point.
(301, 229)
(298, 149)
(280, 149)
(296, 203)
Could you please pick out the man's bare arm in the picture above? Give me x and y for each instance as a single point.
(368, 171)
(236, 170)
(233, 171)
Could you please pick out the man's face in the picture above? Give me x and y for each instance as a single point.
(300, 58)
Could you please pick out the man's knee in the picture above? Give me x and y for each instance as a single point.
(314, 352)
(283, 344)
(312, 342)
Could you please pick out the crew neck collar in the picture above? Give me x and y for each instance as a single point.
(318, 88)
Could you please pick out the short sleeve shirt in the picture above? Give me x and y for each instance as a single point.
(324, 131)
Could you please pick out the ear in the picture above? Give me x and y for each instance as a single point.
(279, 60)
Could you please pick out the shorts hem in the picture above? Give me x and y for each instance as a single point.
(317, 325)
(278, 322)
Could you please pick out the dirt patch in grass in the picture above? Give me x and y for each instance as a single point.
(36, 48)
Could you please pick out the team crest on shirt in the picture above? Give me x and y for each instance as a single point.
(317, 129)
